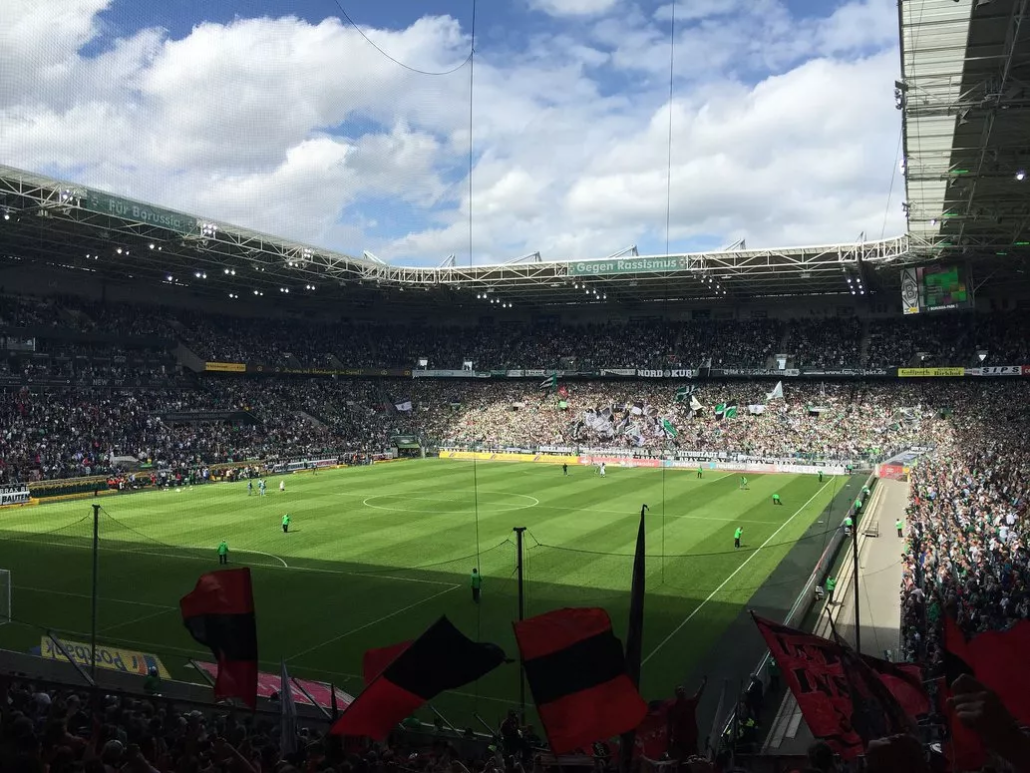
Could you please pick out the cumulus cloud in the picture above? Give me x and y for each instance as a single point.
(784, 129)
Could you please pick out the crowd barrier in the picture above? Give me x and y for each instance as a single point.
(487, 456)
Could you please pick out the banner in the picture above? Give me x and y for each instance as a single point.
(271, 684)
(105, 204)
(681, 373)
(930, 372)
(110, 658)
(770, 372)
(451, 374)
(225, 367)
(996, 370)
(360, 372)
(909, 291)
(618, 371)
(14, 494)
(632, 265)
(892, 471)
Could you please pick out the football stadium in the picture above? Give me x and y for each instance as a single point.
(300, 470)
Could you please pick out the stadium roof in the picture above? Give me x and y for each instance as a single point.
(965, 94)
(965, 97)
(70, 226)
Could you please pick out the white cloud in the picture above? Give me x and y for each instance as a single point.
(304, 130)
(574, 7)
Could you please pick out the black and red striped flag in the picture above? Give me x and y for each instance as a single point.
(219, 613)
(442, 658)
(377, 660)
(576, 671)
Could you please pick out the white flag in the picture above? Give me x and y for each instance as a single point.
(776, 393)
(287, 715)
(403, 407)
(694, 404)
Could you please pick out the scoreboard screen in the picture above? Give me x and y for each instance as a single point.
(934, 288)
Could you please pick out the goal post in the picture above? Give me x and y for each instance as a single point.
(5, 596)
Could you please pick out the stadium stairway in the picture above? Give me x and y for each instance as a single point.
(863, 346)
(879, 561)
(188, 359)
(311, 417)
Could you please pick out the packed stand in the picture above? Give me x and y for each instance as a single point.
(967, 520)
(853, 420)
(833, 342)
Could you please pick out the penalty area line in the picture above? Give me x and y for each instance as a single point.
(377, 621)
(733, 574)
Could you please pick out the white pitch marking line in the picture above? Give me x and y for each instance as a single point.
(733, 574)
(259, 553)
(163, 607)
(135, 620)
(374, 622)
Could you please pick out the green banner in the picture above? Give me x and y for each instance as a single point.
(631, 265)
(106, 204)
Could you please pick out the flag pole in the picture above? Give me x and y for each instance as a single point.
(93, 601)
(635, 635)
(522, 614)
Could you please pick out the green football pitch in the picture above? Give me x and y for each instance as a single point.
(376, 554)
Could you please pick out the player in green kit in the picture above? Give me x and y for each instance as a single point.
(286, 523)
(223, 552)
(743, 483)
(820, 476)
(736, 537)
(776, 499)
(699, 472)
(477, 584)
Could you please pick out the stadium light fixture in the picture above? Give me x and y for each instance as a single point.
(169, 278)
(1021, 175)
(151, 245)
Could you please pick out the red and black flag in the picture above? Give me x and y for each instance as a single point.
(964, 748)
(442, 658)
(844, 698)
(376, 661)
(219, 614)
(576, 671)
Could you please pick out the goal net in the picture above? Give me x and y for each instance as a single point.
(5, 596)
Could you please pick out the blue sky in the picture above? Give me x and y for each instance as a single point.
(279, 117)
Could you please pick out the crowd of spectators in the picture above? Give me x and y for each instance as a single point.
(301, 342)
(967, 531)
(48, 730)
(70, 432)
(834, 342)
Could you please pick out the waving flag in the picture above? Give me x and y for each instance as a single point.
(219, 613)
(442, 658)
(576, 671)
